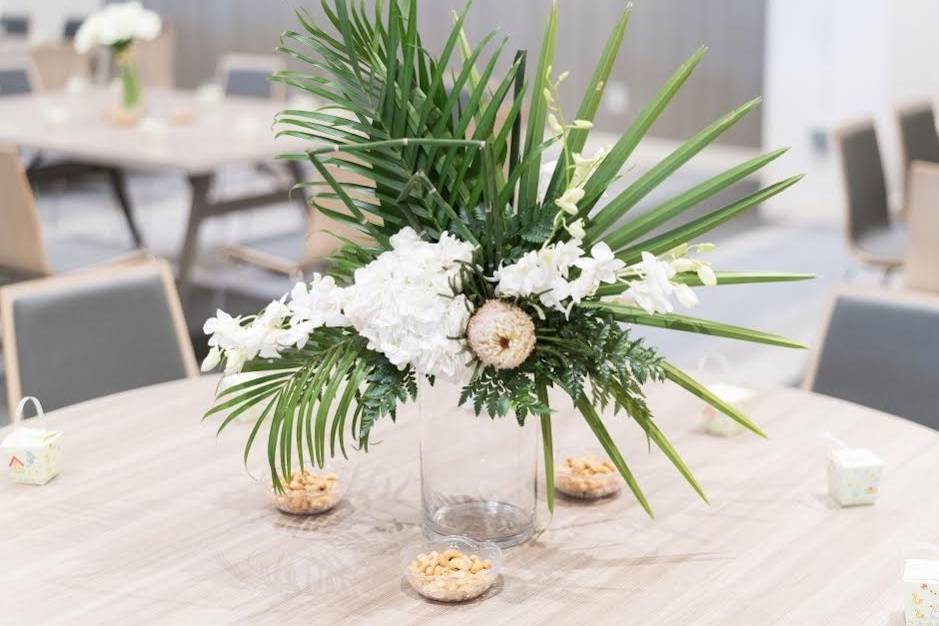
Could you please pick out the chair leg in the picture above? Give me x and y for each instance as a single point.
(888, 273)
(119, 187)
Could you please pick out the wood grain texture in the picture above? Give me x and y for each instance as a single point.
(232, 131)
(154, 521)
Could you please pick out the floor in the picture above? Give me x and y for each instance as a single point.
(85, 209)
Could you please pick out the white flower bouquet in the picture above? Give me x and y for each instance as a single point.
(484, 267)
(117, 26)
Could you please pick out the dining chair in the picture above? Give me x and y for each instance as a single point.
(70, 29)
(296, 253)
(14, 25)
(919, 140)
(156, 60)
(90, 334)
(246, 75)
(23, 248)
(17, 74)
(921, 269)
(56, 63)
(881, 349)
(872, 237)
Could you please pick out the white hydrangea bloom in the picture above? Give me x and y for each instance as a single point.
(401, 303)
(116, 23)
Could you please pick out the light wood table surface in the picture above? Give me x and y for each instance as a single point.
(191, 136)
(154, 521)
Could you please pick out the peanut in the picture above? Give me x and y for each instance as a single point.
(307, 493)
(450, 576)
(587, 477)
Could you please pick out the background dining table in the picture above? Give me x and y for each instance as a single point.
(182, 131)
(155, 520)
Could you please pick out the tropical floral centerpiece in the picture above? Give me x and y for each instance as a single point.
(478, 264)
(117, 26)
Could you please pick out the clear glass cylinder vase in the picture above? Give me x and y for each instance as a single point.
(478, 474)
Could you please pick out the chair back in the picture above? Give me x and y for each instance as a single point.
(71, 27)
(22, 247)
(156, 60)
(17, 73)
(921, 269)
(863, 175)
(246, 75)
(14, 25)
(56, 63)
(919, 140)
(77, 337)
(881, 350)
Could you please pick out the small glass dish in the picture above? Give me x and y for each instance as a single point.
(311, 491)
(451, 569)
(587, 476)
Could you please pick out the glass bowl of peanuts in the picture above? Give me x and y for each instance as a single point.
(586, 475)
(451, 569)
(310, 491)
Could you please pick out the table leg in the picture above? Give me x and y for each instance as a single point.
(119, 187)
(198, 211)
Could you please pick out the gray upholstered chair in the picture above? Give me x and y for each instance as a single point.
(872, 236)
(70, 29)
(246, 75)
(881, 349)
(919, 140)
(73, 338)
(17, 75)
(14, 25)
(921, 268)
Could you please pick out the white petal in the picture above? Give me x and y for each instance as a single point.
(212, 360)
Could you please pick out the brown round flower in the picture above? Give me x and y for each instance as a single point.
(501, 335)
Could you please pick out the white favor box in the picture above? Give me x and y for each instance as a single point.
(720, 424)
(854, 476)
(921, 590)
(31, 455)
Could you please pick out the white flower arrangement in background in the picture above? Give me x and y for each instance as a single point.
(117, 25)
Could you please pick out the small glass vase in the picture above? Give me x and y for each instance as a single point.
(129, 109)
(478, 474)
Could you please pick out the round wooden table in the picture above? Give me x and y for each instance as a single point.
(154, 520)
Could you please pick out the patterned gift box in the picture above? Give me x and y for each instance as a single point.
(854, 476)
(31, 455)
(921, 588)
(720, 424)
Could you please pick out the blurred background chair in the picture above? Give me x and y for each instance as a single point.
(77, 337)
(56, 63)
(919, 140)
(294, 254)
(70, 29)
(23, 249)
(17, 74)
(246, 75)
(921, 270)
(12, 25)
(881, 349)
(872, 236)
(156, 60)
